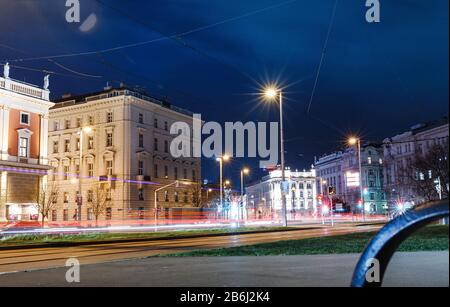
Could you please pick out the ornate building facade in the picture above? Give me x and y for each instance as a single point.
(301, 195)
(24, 110)
(118, 140)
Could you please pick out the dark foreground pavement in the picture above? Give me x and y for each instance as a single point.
(406, 269)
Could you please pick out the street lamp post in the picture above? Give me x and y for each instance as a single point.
(80, 194)
(221, 160)
(357, 141)
(244, 171)
(321, 183)
(272, 93)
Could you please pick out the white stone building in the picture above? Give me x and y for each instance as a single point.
(301, 193)
(400, 151)
(125, 152)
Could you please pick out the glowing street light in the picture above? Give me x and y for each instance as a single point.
(271, 93)
(357, 141)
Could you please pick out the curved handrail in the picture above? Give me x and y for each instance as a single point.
(388, 239)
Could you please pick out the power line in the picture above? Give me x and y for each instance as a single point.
(177, 39)
(324, 51)
(143, 43)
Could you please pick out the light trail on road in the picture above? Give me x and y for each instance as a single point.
(50, 257)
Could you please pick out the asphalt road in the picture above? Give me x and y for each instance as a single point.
(429, 269)
(52, 257)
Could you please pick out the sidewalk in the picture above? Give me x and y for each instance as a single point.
(429, 269)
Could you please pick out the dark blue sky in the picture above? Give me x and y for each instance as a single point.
(377, 79)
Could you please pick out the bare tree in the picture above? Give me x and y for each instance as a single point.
(425, 171)
(99, 202)
(197, 194)
(46, 200)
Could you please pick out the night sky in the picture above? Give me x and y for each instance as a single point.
(377, 80)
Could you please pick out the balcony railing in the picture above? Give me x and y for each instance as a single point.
(24, 88)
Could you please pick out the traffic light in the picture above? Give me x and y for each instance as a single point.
(331, 190)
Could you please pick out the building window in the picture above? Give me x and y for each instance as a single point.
(23, 147)
(66, 172)
(141, 118)
(54, 215)
(55, 147)
(67, 123)
(141, 194)
(108, 194)
(369, 160)
(175, 194)
(65, 215)
(184, 173)
(194, 175)
(78, 144)
(109, 139)
(166, 196)
(155, 123)
(79, 122)
(141, 140)
(108, 213)
(155, 144)
(166, 126)
(109, 117)
(175, 171)
(54, 198)
(166, 171)
(166, 146)
(24, 118)
(140, 168)
(185, 197)
(67, 145)
(90, 214)
(66, 197)
(91, 120)
(91, 142)
(77, 169)
(90, 196)
(109, 168)
(155, 171)
(91, 169)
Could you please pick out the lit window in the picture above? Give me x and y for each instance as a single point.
(369, 160)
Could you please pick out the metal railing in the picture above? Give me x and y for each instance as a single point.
(383, 246)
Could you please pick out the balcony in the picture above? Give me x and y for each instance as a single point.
(23, 88)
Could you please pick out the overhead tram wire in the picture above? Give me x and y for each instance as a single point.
(322, 57)
(177, 39)
(77, 73)
(143, 43)
(103, 62)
